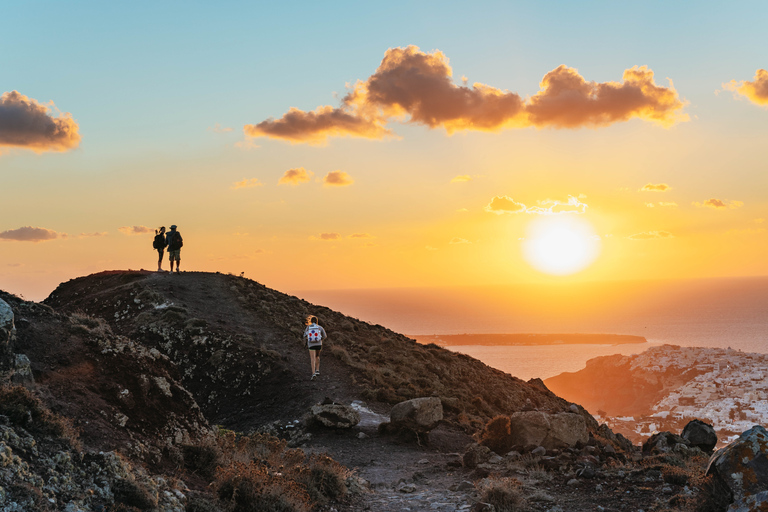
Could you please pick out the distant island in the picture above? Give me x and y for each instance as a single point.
(448, 340)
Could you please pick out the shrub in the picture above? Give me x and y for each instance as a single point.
(497, 435)
(251, 488)
(133, 494)
(675, 475)
(202, 459)
(324, 478)
(505, 494)
(27, 411)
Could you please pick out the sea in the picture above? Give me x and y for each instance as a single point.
(723, 312)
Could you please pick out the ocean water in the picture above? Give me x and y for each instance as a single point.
(696, 313)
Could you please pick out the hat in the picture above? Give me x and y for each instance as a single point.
(173, 226)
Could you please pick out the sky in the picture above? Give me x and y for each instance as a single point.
(344, 145)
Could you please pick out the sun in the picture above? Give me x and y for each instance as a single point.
(560, 244)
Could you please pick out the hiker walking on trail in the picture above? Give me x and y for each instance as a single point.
(314, 336)
(159, 244)
(175, 242)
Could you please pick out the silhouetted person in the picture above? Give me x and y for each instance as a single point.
(174, 242)
(159, 244)
(314, 336)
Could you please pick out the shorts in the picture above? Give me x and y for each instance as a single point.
(175, 255)
(316, 348)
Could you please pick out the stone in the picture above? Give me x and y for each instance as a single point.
(572, 481)
(540, 450)
(476, 454)
(566, 429)
(465, 486)
(335, 415)
(742, 467)
(22, 374)
(701, 435)
(529, 427)
(7, 334)
(662, 442)
(420, 414)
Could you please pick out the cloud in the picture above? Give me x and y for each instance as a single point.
(417, 87)
(297, 126)
(462, 210)
(456, 240)
(295, 176)
(217, 128)
(94, 234)
(719, 204)
(326, 236)
(650, 235)
(430, 248)
(505, 204)
(247, 183)
(461, 179)
(756, 91)
(663, 204)
(30, 234)
(135, 230)
(361, 235)
(655, 187)
(25, 123)
(337, 179)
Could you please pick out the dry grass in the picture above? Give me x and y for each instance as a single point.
(25, 410)
(505, 494)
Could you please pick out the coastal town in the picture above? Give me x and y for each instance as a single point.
(724, 387)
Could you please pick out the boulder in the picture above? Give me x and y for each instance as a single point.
(566, 429)
(529, 427)
(335, 415)
(548, 430)
(701, 435)
(662, 442)
(419, 414)
(742, 467)
(617, 439)
(7, 332)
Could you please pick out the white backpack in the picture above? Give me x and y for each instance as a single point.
(314, 335)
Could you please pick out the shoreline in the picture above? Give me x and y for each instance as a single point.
(527, 339)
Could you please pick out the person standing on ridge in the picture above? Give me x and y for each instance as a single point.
(175, 242)
(159, 244)
(314, 336)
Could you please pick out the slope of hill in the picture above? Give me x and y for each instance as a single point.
(238, 347)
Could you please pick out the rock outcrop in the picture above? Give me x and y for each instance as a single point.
(419, 414)
(701, 435)
(7, 330)
(742, 467)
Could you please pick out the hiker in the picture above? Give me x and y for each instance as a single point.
(159, 244)
(314, 336)
(174, 242)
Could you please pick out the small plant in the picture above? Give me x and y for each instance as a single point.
(133, 494)
(27, 411)
(675, 475)
(251, 488)
(505, 494)
(202, 459)
(497, 435)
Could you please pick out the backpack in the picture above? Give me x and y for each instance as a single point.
(176, 242)
(158, 242)
(314, 335)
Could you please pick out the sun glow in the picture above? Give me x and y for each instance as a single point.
(560, 244)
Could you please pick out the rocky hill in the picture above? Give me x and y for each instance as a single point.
(142, 391)
(237, 346)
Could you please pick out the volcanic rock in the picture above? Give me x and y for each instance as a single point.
(743, 467)
(701, 435)
(335, 415)
(419, 414)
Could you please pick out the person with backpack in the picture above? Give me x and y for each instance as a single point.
(174, 242)
(314, 336)
(159, 244)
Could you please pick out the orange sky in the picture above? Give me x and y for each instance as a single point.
(401, 165)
